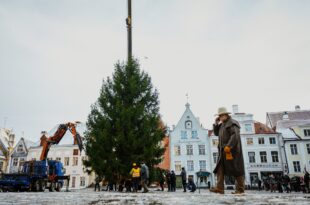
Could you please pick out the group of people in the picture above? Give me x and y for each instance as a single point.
(139, 178)
(169, 177)
(285, 183)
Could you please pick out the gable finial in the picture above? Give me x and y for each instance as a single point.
(187, 100)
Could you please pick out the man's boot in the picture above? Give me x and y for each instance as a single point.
(216, 190)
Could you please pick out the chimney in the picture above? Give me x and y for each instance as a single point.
(297, 108)
(11, 140)
(235, 109)
(285, 116)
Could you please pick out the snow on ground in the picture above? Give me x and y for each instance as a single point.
(88, 196)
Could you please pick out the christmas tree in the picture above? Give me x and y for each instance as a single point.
(124, 125)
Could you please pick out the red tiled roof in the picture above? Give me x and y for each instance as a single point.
(261, 128)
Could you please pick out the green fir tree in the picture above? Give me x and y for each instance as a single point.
(124, 125)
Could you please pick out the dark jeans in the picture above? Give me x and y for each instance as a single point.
(97, 186)
(184, 185)
(135, 183)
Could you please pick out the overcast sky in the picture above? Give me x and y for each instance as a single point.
(55, 54)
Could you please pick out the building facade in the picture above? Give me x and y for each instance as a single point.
(19, 155)
(7, 141)
(294, 126)
(190, 148)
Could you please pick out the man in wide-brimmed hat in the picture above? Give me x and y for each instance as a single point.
(230, 160)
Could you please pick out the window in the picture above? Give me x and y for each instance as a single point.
(190, 165)
(75, 152)
(249, 141)
(188, 124)
(194, 134)
(308, 148)
(1, 165)
(202, 165)
(307, 132)
(274, 156)
(73, 182)
(15, 162)
(272, 140)
(189, 149)
(251, 157)
(202, 149)
(248, 127)
(215, 157)
(294, 149)
(58, 159)
(21, 162)
(263, 157)
(178, 166)
(261, 140)
(177, 150)
(67, 161)
(20, 148)
(82, 181)
(75, 161)
(183, 135)
(296, 165)
(215, 142)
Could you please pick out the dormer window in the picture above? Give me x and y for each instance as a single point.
(20, 148)
(188, 124)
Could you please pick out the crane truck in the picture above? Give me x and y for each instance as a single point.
(43, 174)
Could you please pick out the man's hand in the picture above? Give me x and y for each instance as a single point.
(227, 149)
(217, 120)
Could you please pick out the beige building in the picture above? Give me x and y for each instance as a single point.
(7, 140)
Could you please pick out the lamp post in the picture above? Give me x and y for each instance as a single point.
(129, 34)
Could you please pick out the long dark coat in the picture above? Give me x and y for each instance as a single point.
(229, 135)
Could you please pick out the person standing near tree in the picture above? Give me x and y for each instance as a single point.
(183, 176)
(97, 181)
(135, 175)
(144, 177)
(230, 161)
(173, 181)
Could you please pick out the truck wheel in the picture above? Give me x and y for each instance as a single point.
(37, 186)
(52, 187)
(42, 186)
(59, 186)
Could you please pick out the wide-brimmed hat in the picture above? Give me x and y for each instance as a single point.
(222, 111)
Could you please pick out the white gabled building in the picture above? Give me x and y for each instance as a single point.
(295, 128)
(19, 155)
(190, 147)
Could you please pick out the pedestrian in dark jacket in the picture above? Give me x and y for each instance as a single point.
(97, 185)
(168, 179)
(183, 177)
(306, 181)
(173, 181)
(286, 181)
(259, 183)
(230, 161)
(161, 180)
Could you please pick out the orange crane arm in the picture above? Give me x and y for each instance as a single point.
(46, 142)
